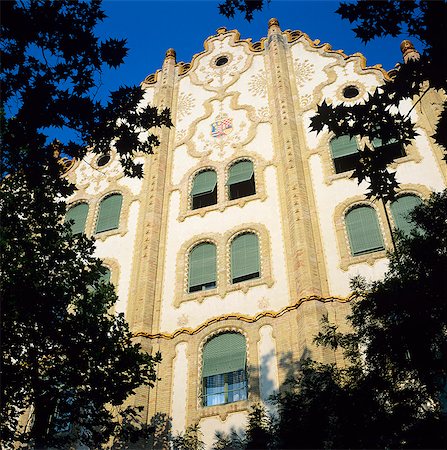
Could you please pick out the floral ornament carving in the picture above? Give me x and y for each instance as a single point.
(97, 178)
(303, 71)
(263, 303)
(263, 114)
(180, 135)
(305, 100)
(183, 320)
(258, 84)
(185, 105)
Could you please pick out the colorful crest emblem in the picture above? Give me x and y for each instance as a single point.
(222, 126)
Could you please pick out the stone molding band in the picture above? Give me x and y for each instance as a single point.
(243, 318)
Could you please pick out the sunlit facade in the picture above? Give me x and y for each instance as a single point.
(247, 226)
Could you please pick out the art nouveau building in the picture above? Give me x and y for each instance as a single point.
(246, 227)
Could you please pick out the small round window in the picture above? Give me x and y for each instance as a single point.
(222, 60)
(103, 160)
(350, 92)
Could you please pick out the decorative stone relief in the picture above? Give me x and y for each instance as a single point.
(258, 84)
(183, 320)
(263, 303)
(303, 71)
(185, 104)
(215, 77)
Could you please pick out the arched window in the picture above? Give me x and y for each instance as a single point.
(78, 214)
(224, 369)
(245, 257)
(391, 150)
(400, 209)
(204, 189)
(109, 213)
(363, 230)
(202, 267)
(241, 180)
(345, 153)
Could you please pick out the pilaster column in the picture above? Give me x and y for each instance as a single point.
(303, 272)
(142, 297)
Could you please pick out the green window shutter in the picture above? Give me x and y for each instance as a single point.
(244, 255)
(343, 146)
(202, 265)
(224, 353)
(400, 210)
(363, 230)
(105, 278)
(376, 142)
(78, 214)
(109, 213)
(204, 183)
(239, 172)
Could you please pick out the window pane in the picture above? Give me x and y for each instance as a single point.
(202, 267)
(244, 257)
(109, 213)
(363, 230)
(78, 214)
(401, 208)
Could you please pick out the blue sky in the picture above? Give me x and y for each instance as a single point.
(153, 26)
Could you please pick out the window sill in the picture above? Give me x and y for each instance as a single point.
(366, 258)
(103, 235)
(221, 206)
(223, 291)
(223, 410)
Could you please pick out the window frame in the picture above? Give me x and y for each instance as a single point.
(72, 206)
(119, 215)
(350, 232)
(210, 198)
(215, 282)
(249, 184)
(242, 372)
(349, 159)
(405, 232)
(245, 277)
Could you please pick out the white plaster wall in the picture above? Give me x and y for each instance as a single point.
(117, 247)
(209, 426)
(425, 172)
(266, 213)
(179, 388)
(121, 248)
(190, 103)
(149, 92)
(327, 198)
(268, 365)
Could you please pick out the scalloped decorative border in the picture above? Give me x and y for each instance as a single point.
(242, 317)
(259, 46)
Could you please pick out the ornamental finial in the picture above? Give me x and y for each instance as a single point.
(408, 51)
(170, 53)
(273, 22)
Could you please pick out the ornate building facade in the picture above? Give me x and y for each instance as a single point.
(247, 227)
